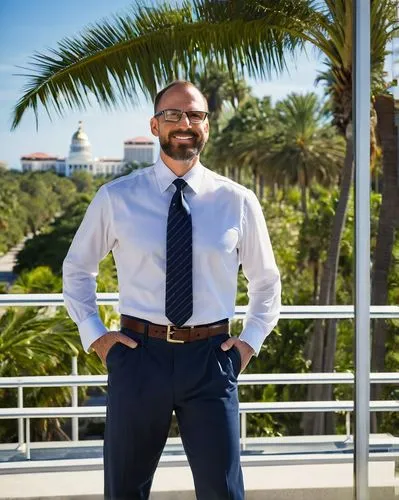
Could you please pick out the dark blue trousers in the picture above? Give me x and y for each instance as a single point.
(199, 382)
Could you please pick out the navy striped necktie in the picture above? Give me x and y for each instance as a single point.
(179, 259)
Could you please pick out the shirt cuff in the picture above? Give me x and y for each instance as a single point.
(252, 336)
(91, 329)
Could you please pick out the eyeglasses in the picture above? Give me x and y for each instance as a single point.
(174, 115)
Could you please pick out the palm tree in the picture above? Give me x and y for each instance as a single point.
(220, 86)
(387, 224)
(289, 144)
(42, 341)
(338, 49)
(237, 145)
(252, 152)
(110, 62)
(39, 280)
(306, 148)
(37, 342)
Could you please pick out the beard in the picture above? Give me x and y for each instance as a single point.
(182, 152)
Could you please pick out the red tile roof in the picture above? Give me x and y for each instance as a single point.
(139, 140)
(39, 156)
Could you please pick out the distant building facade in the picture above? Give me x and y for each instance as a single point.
(38, 162)
(139, 149)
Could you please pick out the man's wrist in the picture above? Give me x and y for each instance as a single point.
(249, 348)
(93, 345)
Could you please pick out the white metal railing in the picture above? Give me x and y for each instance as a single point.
(76, 411)
(288, 312)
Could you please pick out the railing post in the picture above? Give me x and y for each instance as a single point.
(21, 437)
(243, 431)
(75, 420)
(348, 424)
(27, 438)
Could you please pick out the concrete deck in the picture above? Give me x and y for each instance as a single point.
(274, 469)
(286, 482)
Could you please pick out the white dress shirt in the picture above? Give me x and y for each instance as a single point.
(128, 216)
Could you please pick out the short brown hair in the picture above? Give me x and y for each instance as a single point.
(183, 83)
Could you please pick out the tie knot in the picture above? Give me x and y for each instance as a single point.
(180, 184)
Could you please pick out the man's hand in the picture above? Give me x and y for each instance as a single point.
(103, 344)
(245, 349)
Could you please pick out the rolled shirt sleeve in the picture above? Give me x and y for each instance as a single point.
(93, 240)
(260, 269)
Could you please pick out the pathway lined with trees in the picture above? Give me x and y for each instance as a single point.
(7, 262)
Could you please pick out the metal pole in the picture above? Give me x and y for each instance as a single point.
(361, 129)
(243, 431)
(348, 424)
(75, 420)
(21, 437)
(27, 450)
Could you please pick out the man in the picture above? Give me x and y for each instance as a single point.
(178, 233)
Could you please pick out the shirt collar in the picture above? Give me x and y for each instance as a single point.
(165, 176)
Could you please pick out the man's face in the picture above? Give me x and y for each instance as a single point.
(181, 140)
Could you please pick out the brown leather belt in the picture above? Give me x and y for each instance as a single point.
(172, 333)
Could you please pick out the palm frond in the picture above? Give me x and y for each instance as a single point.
(112, 62)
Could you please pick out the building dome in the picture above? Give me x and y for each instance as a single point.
(80, 150)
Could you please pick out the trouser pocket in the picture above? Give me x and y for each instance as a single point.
(114, 353)
(236, 359)
(230, 360)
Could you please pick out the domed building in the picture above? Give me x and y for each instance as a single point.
(80, 150)
(80, 157)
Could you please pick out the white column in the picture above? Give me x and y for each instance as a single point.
(75, 403)
(361, 122)
(21, 437)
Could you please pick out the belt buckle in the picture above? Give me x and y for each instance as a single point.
(169, 334)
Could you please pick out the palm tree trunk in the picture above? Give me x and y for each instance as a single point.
(329, 359)
(233, 174)
(304, 200)
(261, 187)
(387, 131)
(255, 180)
(304, 195)
(322, 348)
(275, 190)
(377, 181)
(316, 266)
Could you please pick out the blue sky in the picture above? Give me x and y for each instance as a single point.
(27, 26)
